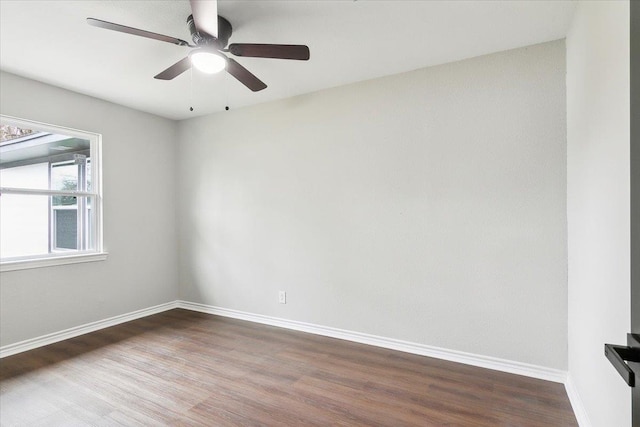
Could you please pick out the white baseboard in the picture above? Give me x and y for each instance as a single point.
(576, 403)
(488, 362)
(30, 344)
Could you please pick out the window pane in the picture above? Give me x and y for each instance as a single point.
(71, 224)
(64, 176)
(24, 229)
(66, 228)
(30, 176)
(32, 225)
(67, 156)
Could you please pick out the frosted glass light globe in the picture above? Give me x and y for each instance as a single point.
(208, 62)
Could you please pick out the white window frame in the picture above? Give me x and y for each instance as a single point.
(58, 258)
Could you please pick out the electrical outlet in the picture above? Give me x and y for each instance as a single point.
(282, 297)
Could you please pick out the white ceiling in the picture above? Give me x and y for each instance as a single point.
(349, 41)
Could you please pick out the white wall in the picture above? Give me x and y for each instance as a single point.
(428, 206)
(138, 171)
(598, 205)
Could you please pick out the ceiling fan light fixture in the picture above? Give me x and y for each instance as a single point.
(207, 61)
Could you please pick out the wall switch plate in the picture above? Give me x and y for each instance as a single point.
(282, 297)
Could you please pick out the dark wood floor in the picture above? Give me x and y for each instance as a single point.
(184, 368)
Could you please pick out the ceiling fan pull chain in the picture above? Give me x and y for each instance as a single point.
(191, 88)
(226, 92)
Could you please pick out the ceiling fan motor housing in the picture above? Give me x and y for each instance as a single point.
(200, 38)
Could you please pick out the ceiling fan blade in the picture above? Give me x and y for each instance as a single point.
(205, 16)
(279, 51)
(244, 76)
(135, 31)
(175, 70)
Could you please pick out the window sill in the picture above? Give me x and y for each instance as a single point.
(51, 261)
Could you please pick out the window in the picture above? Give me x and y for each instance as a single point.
(50, 201)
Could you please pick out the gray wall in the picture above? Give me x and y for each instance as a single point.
(139, 218)
(428, 206)
(598, 205)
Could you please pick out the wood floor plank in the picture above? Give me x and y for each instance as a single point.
(183, 368)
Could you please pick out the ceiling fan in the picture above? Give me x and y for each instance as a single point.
(210, 34)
